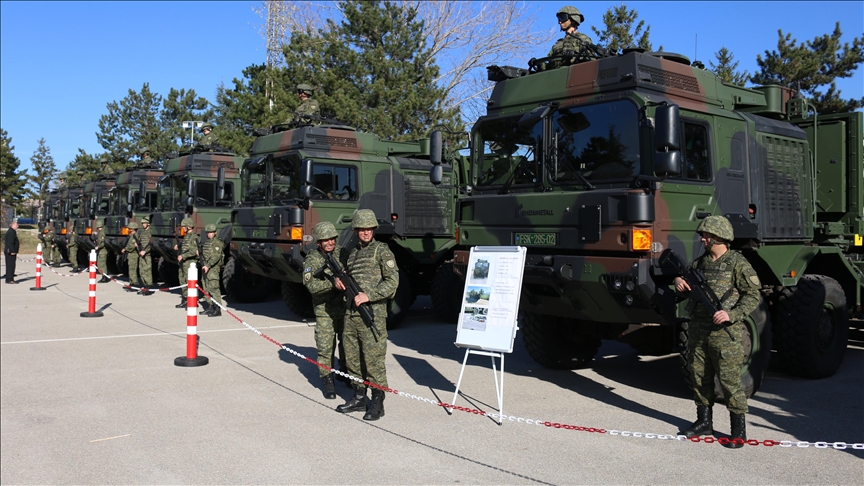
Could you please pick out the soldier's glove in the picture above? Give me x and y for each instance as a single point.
(569, 53)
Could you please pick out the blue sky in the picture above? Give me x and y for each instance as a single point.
(61, 63)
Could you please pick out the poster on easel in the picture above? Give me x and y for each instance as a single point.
(490, 300)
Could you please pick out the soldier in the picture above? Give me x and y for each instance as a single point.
(212, 253)
(308, 105)
(72, 248)
(131, 251)
(145, 262)
(144, 153)
(101, 251)
(328, 301)
(50, 246)
(209, 139)
(186, 256)
(573, 41)
(373, 267)
(711, 351)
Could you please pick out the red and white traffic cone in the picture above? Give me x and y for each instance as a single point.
(38, 268)
(192, 358)
(91, 302)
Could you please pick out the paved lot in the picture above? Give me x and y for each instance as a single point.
(99, 401)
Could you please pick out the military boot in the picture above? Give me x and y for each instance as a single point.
(329, 387)
(376, 405)
(739, 430)
(704, 424)
(182, 303)
(214, 311)
(104, 279)
(357, 402)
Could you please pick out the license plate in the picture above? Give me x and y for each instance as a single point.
(537, 239)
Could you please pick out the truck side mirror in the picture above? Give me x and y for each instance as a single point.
(667, 160)
(98, 202)
(142, 194)
(220, 184)
(436, 173)
(307, 180)
(190, 192)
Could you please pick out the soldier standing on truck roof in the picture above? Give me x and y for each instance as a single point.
(187, 255)
(711, 351)
(145, 156)
(209, 139)
(212, 253)
(373, 267)
(574, 42)
(309, 107)
(327, 300)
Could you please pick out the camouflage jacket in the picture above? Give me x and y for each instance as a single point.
(209, 139)
(326, 299)
(730, 271)
(189, 247)
(308, 107)
(144, 237)
(574, 41)
(374, 269)
(212, 253)
(100, 240)
(132, 242)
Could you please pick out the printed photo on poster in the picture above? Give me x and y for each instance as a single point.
(477, 295)
(480, 273)
(475, 318)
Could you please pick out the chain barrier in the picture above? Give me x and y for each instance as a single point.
(539, 422)
(61, 274)
(23, 260)
(132, 287)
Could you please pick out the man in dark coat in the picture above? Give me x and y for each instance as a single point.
(10, 251)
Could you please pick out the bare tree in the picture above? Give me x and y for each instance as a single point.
(463, 37)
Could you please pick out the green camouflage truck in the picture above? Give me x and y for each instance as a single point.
(93, 203)
(134, 195)
(298, 177)
(204, 186)
(62, 210)
(598, 167)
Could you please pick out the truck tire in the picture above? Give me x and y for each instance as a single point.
(757, 349)
(397, 307)
(811, 327)
(297, 299)
(169, 274)
(242, 285)
(551, 342)
(447, 293)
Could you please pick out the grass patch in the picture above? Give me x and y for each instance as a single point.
(27, 240)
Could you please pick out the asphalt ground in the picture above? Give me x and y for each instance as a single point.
(100, 401)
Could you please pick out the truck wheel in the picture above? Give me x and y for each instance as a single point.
(397, 307)
(297, 299)
(168, 273)
(756, 341)
(447, 293)
(811, 327)
(551, 342)
(242, 285)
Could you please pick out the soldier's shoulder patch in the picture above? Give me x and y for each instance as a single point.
(391, 264)
(307, 276)
(754, 279)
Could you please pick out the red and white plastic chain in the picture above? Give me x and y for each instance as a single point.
(544, 423)
(128, 286)
(25, 261)
(61, 274)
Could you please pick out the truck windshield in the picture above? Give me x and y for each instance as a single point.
(286, 180)
(172, 194)
(283, 179)
(507, 151)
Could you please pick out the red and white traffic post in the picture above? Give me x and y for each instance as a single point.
(38, 268)
(192, 358)
(91, 301)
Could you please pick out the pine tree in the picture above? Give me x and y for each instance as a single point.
(44, 171)
(726, 68)
(813, 65)
(13, 182)
(134, 123)
(180, 106)
(619, 32)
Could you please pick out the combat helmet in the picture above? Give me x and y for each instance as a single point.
(364, 218)
(145, 219)
(100, 222)
(718, 226)
(305, 88)
(207, 125)
(324, 231)
(573, 13)
(143, 150)
(187, 222)
(133, 225)
(210, 228)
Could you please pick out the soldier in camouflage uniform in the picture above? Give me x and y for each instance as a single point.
(187, 255)
(72, 249)
(212, 253)
(309, 107)
(145, 261)
(131, 251)
(711, 351)
(50, 246)
(209, 139)
(144, 153)
(373, 267)
(101, 251)
(328, 301)
(574, 43)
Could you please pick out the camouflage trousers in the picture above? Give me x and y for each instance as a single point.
(210, 283)
(140, 270)
(714, 353)
(73, 254)
(327, 333)
(102, 260)
(50, 252)
(183, 275)
(364, 357)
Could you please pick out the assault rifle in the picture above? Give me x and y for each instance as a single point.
(700, 292)
(351, 288)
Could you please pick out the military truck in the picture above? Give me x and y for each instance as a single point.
(93, 203)
(204, 186)
(133, 196)
(298, 176)
(598, 167)
(64, 207)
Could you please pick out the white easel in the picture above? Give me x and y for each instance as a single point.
(499, 388)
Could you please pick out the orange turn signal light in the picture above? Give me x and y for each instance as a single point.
(88, 231)
(125, 231)
(297, 233)
(63, 231)
(640, 239)
(182, 231)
